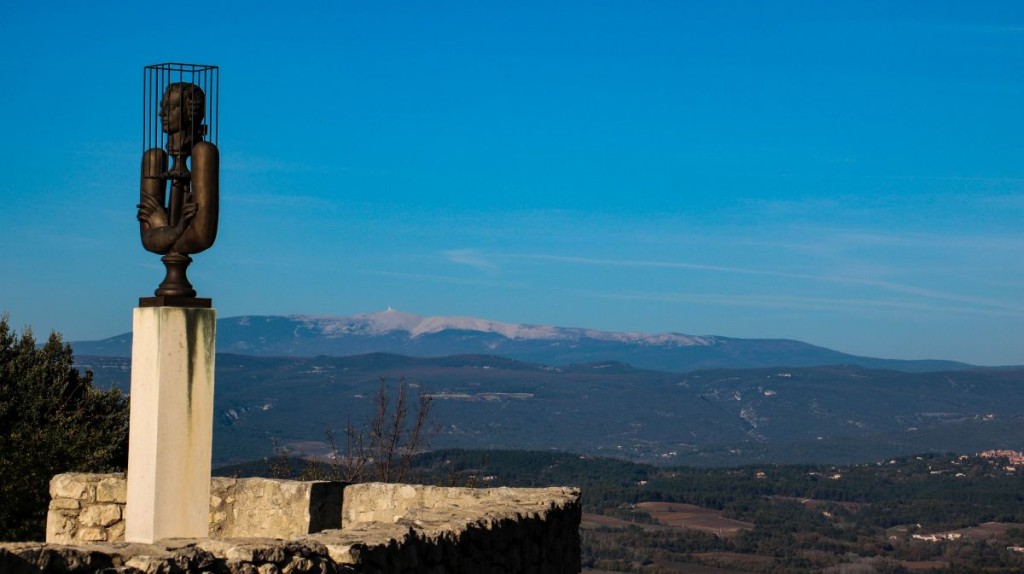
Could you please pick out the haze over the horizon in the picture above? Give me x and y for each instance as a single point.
(849, 174)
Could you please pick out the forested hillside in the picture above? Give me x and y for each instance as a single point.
(721, 417)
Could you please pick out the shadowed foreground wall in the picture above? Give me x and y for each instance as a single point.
(384, 528)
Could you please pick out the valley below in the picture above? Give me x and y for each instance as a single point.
(715, 417)
(694, 454)
(921, 513)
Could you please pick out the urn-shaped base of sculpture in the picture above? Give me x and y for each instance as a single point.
(175, 282)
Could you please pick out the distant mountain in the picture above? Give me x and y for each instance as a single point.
(722, 416)
(407, 334)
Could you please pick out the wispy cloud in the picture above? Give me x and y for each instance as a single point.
(442, 279)
(641, 263)
(249, 164)
(280, 200)
(894, 287)
(933, 241)
(761, 301)
(932, 294)
(471, 257)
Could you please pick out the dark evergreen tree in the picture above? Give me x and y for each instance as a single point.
(52, 420)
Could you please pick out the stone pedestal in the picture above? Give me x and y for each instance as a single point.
(171, 434)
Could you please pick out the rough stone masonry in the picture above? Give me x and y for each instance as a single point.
(261, 526)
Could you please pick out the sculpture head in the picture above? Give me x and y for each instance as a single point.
(182, 111)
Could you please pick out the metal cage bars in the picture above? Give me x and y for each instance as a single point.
(155, 80)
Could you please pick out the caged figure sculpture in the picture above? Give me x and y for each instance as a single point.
(187, 222)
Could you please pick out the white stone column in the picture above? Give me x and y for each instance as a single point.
(171, 434)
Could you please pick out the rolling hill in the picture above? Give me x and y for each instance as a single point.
(705, 417)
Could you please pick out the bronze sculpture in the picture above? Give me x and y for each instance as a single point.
(187, 222)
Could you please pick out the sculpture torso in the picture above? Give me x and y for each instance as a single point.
(179, 207)
(186, 225)
(188, 222)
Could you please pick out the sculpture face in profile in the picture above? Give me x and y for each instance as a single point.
(179, 197)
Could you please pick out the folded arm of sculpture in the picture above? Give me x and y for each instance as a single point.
(187, 222)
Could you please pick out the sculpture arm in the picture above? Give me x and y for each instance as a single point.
(202, 231)
(153, 229)
(157, 235)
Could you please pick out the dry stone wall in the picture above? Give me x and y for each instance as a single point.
(385, 528)
(411, 529)
(177, 556)
(90, 508)
(86, 508)
(261, 507)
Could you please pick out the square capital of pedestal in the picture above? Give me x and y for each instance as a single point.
(164, 301)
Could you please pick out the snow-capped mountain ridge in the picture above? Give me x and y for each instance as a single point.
(411, 335)
(391, 321)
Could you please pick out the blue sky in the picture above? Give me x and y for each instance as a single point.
(849, 174)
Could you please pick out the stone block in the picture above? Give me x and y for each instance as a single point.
(115, 533)
(245, 569)
(112, 489)
(65, 504)
(341, 552)
(240, 553)
(299, 565)
(60, 528)
(100, 515)
(92, 534)
(276, 508)
(70, 485)
(148, 564)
